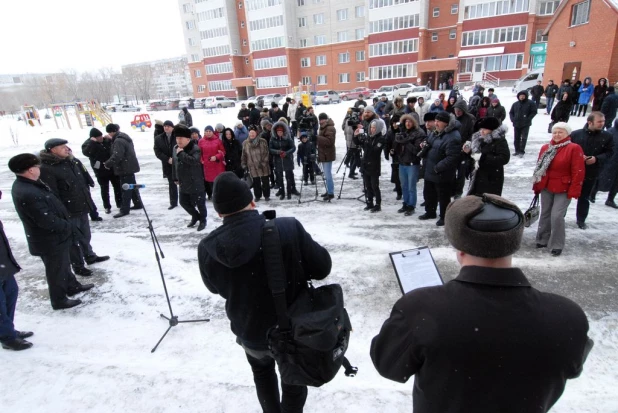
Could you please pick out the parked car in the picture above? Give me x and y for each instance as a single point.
(528, 80)
(158, 105)
(127, 108)
(199, 103)
(218, 102)
(141, 122)
(326, 96)
(420, 92)
(354, 93)
(389, 91)
(403, 89)
(273, 97)
(185, 103)
(172, 104)
(254, 99)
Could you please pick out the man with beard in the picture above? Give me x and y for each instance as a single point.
(326, 153)
(66, 177)
(163, 147)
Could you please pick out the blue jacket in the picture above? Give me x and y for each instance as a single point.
(585, 92)
(241, 134)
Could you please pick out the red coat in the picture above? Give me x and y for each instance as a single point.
(566, 172)
(212, 147)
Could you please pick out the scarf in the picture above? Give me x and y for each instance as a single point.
(545, 161)
(254, 141)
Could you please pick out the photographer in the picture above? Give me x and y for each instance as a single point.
(373, 145)
(350, 122)
(306, 156)
(309, 122)
(327, 152)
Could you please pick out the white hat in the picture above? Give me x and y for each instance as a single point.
(562, 125)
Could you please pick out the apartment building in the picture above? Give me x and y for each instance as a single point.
(161, 78)
(241, 48)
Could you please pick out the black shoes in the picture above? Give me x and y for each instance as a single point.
(267, 199)
(289, 195)
(403, 209)
(108, 210)
(555, 253)
(352, 176)
(328, 197)
(201, 226)
(24, 334)
(376, 208)
(440, 222)
(582, 225)
(96, 219)
(136, 207)
(121, 214)
(399, 196)
(171, 207)
(294, 192)
(84, 272)
(66, 303)
(541, 245)
(592, 200)
(80, 289)
(281, 196)
(96, 259)
(427, 216)
(324, 195)
(423, 204)
(409, 211)
(369, 207)
(192, 223)
(611, 204)
(17, 344)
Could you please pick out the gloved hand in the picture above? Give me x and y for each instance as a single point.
(282, 154)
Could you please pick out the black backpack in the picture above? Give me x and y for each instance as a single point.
(312, 335)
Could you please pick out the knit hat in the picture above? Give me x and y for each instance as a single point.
(111, 128)
(489, 123)
(95, 133)
(219, 126)
(487, 227)
(181, 131)
(53, 142)
(230, 194)
(429, 116)
(23, 162)
(194, 130)
(168, 123)
(443, 116)
(210, 128)
(562, 125)
(370, 109)
(322, 116)
(304, 135)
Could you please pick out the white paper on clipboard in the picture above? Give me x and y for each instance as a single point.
(415, 268)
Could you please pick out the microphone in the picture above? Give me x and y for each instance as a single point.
(132, 186)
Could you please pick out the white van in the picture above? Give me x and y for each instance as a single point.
(528, 80)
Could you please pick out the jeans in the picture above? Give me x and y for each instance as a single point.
(550, 104)
(104, 182)
(521, 137)
(129, 194)
(60, 278)
(8, 300)
(173, 190)
(583, 203)
(328, 175)
(266, 385)
(195, 205)
(408, 176)
(81, 248)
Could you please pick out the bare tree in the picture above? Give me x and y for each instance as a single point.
(69, 84)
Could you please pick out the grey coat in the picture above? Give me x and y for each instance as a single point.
(123, 160)
(188, 170)
(255, 157)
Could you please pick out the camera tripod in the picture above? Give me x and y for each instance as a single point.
(317, 171)
(349, 157)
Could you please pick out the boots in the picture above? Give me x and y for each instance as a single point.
(403, 209)
(281, 195)
(369, 206)
(376, 208)
(409, 211)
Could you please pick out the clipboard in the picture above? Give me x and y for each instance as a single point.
(415, 268)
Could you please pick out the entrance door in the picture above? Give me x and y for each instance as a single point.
(477, 70)
(571, 70)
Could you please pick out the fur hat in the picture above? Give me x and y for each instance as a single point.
(168, 123)
(53, 142)
(489, 123)
(443, 116)
(488, 226)
(181, 131)
(562, 125)
(429, 116)
(23, 162)
(230, 194)
(95, 133)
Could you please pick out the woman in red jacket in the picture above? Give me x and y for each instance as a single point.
(558, 178)
(213, 157)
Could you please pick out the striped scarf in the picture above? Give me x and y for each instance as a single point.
(542, 165)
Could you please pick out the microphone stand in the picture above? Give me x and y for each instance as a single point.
(172, 319)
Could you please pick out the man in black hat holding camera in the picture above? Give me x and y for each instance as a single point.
(48, 227)
(231, 265)
(486, 341)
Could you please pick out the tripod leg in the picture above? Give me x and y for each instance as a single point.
(161, 339)
(301, 188)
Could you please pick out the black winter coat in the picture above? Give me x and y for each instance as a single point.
(231, 265)
(254, 117)
(537, 91)
(45, 218)
(488, 178)
(188, 169)
(123, 160)
(69, 180)
(498, 112)
(372, 152)
(233, 153)
(443, 156)
(599, 144)
(522, 112)
(8, 264)
(244, 115)
(286, 144)
(551, 91)
(609, 173)
(407, 145)
(163, 147)
(562, 111)
(467, 120)
(609, 107)
(306, 153)
(98, 153)
(389, 144)
(480, 342)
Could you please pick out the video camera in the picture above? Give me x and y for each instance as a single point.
(354, 119)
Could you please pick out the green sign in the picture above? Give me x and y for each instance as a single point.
(538, 48)
(538, 54)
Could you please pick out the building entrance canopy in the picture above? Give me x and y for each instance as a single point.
(481, 52)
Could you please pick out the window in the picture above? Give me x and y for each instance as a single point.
(211, 14)
(270, 62)
(266, 23)
(302, 22)
(454, 8)
(492, 36)
(301, 2)
(217, 68)
(360, 55)
(191, 41)
(242, 24)
(360, 34)
(305, 62)
(306, 80)
(452, 34)
(580, 13)
(216, 51)
(434, 37)
(303, 42)
(344, 78)
(317, 1)
(393, 71)
(496, 8)
(318, 18)
(342, 36)
(246, 60)
(548, 7)
(272, 81)
(436, 12)
(201, 88)
(322, 80)
(376, 4)
(240, 4)
(190, 25)
(318, 40)
(320, 60)
(394, 23)
(212, 33)
(342, 14)
(359, 11)
(220, 85)
(360, 76)
(197, 73)
(539, 38)
(244, 42)
(391, 48)
(186, 8)
(494, 63)
(344, 57)
(261, 4)
(270, 43)
(195, 58)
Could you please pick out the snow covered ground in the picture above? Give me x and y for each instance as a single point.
(96, 357)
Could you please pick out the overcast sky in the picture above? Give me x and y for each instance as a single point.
(42, 36)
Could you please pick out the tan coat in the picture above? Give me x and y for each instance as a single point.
(255, 157)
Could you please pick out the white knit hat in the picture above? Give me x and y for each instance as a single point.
(562, 125)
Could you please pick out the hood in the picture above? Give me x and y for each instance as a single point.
(461, 104)
(604, 84)
(378, 125)
(286, 133)
(497, 100)
(404, 118)
(237, 241)
(49, 158)
(231, 131)
(589, 79)
(124, 136)
(330, 122)
(522, 93)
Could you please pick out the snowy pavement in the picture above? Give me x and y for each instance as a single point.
(96, 357)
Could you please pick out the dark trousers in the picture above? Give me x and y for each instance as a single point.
(266, 382)
(104, 182)
(583, 203)
(8, 301)
(208, 186)
(60, 278)
(395, 177)
(308, 172)
(129, 194)
(173, 190)
(372, 188)
(195, 205)
(437, 192)
(521, 137)
(94, 213)
(261, 187)
(271, 164)
(581, 108)
(81, 248)
(289, 180)
(354, 155)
